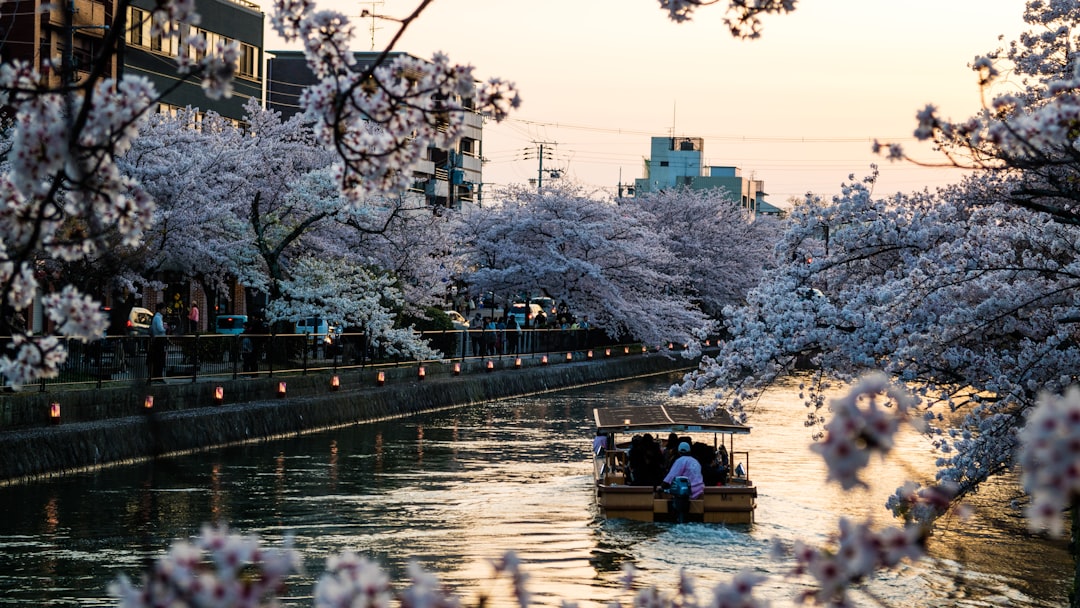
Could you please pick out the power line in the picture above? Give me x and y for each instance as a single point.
(724, 137)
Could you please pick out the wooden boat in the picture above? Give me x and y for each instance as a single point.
(732, 501)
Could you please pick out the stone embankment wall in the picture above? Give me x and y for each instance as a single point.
(100, 427)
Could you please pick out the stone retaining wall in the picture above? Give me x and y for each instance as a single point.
(184, 417)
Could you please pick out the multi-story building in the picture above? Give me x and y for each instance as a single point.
(222, 20)
(40, 31)
(677, 162)
(446, 177)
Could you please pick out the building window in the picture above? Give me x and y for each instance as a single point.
(138, 27)
(663, 163)
(165, 42)
(248, 65)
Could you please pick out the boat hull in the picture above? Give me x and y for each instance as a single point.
(729, 504)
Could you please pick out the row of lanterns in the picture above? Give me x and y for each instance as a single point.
(335, 381)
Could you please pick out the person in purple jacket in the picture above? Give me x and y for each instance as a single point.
(687, 466)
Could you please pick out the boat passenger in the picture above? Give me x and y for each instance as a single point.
(646, 461)
(686, 466)
(600, 442)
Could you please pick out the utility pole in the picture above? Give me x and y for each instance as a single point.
(67, 65)
(540, 159)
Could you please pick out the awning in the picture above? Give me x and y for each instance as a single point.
(664, 418)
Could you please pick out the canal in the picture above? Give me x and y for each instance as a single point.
(458, 488)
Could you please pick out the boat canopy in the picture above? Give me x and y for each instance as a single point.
(664, 418)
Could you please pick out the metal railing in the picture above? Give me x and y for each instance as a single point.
(176, 358)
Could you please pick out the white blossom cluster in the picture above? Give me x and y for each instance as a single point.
(216, 569)
(63, 197)
(861, 425)
(743, 18)
(637, 267)
(381, 120)
(1050, 459)
(860, 551)
(60, 191)
(204, 574)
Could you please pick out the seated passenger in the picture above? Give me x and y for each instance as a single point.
(686, 466)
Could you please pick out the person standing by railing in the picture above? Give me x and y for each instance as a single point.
(158, 343)
(193, 319)
(513, 335)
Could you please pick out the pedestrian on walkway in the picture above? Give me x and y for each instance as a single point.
(158, 344)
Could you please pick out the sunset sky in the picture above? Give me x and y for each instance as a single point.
(797, 108)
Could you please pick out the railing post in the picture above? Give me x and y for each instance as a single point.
(307, 338)
(235, 355)
(195, 360)
(270, 355)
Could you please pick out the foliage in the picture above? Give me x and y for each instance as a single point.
(604, 260)
(966, 293)
(723, 251)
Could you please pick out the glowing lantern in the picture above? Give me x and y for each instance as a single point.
(380, 379)
(420, 373)
(54, 412)
(335, 383)
(457, 369)
(148, 403)
(219, 395)
(280, 389)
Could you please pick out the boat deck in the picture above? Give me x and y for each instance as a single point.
(730, 503)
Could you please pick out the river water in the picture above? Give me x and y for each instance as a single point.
(458, 488)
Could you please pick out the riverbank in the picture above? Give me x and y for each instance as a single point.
(115, 426)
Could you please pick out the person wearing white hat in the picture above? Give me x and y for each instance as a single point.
(687, 466)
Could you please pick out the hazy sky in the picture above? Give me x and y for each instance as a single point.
(797, 108)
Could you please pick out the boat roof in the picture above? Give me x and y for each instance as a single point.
(664, 418)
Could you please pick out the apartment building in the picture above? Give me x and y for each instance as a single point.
(73, 32)
(222, 20)
(447, 177)
(678, 162)
(48, 36)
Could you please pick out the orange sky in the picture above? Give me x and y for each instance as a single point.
(798, 108)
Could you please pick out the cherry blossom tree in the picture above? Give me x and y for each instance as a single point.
(726, 250)
(604, 260)
(967, 294)
(260, 203)
(64, 193)
(410, 240)
(64, 198)
(184, 164)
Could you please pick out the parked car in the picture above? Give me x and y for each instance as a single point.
(230, 324)
(523, 312)
(548, 306)
(138, 323)
(459, 320)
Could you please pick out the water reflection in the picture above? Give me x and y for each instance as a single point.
(457, 488)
